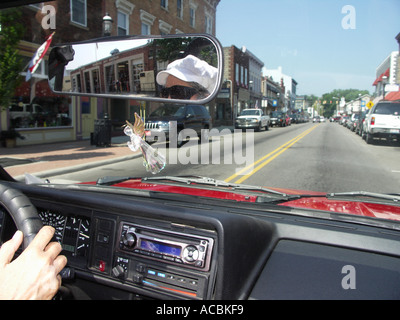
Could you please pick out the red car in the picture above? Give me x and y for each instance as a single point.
(287, 120)
(211, 213)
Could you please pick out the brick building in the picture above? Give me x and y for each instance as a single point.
(162, 17)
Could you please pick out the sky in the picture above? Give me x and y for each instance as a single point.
(92, 52)
(323, 44)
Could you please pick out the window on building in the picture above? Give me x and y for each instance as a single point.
(123, 22)
(179, 9)
(123, 77)
(146, 29)
(147, 21)
(78, 12)
(165, 28)
(124, 10)
(110, 78)
(164, 4)
(96, 80)
(87, 82)
(192, 17)
(137, 69)
(208, 24)
(237, 73)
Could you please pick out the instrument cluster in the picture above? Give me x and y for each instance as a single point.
(72, 232)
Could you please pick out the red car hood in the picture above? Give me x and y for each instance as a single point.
(366, 209)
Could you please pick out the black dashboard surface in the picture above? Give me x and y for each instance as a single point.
(141, 247)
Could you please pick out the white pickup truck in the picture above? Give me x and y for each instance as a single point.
(252, 119)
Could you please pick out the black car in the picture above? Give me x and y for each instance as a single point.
(278, 119)
(168, 121)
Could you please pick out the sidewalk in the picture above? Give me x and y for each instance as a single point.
(62, 157)
(46, 160)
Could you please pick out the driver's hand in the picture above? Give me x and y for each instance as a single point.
(35, 273)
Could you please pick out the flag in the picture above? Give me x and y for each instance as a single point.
(38, 56)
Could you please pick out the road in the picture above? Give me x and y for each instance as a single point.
(319, 157)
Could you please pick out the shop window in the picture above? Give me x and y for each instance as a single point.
(122, 81)
(110, 78)
(43, 110)
(87, 82)
(137, 69)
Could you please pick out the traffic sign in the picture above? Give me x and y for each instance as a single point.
(370, 105)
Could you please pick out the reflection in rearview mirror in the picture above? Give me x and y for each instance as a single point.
(178, 68)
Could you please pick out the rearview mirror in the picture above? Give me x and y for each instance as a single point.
(180, 68)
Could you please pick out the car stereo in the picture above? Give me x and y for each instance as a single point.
(177, 248)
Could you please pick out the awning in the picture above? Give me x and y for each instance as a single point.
(393, 96)
(379, 79)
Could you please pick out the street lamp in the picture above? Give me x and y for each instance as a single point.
(107, 25)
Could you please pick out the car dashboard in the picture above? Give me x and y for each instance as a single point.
(142, 246)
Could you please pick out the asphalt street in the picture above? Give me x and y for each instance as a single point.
(322, 157)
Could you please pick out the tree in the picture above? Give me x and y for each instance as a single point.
(330, 100)
(11, 33)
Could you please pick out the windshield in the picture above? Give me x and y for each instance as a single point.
(250, 113)
(388, 108)
(318, 59)
(169, 111)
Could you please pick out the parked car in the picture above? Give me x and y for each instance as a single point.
(25, 114)
(177, 117)
(343, 121)
(316, 119)
(252, 119)
(277, 118)
(351, 122)
(337, 119)
(383, 122)
(360, 123)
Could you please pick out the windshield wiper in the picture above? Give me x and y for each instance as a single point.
(215, 183)
(394, 198)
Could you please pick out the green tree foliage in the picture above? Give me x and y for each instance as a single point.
(329, 100)
(175, 48)
(11, 33)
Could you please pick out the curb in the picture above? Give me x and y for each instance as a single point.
(79, 167)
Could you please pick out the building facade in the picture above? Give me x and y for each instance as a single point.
(387, 77)
(290, 85)
(242, 85)
(272, 92)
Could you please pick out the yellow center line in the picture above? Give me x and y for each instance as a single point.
(268, 158)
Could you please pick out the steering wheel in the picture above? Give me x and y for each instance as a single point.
(22, 211)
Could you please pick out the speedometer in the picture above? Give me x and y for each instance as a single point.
(55, 220)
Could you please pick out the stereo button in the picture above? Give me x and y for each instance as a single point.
(190, 253)
(129, 239)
